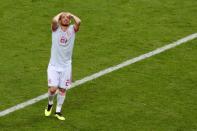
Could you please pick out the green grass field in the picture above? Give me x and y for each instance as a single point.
(156, 94)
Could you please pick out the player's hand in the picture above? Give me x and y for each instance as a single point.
(70, 15)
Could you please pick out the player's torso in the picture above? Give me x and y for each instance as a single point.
(62, 46)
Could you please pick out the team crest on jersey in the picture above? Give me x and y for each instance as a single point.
(64, 38)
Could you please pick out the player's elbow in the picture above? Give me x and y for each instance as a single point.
(54, 22)
(78, 22)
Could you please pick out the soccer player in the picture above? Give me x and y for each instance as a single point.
(60, 65)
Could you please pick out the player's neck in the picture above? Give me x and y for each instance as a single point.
(64, 28)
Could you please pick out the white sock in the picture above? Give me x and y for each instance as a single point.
(60, 101)
(50, 98)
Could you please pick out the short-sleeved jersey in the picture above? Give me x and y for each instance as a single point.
(62, 47)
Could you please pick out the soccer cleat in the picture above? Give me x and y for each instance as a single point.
(59, 116)
(48, 110)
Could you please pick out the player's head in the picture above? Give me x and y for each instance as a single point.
(64, 19)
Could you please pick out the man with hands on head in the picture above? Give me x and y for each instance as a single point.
(60, 64)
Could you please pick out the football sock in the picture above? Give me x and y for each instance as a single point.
(60, 101)
(50, 98)
(49, 107)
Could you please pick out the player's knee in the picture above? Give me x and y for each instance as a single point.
(52, 90)
(62, 92)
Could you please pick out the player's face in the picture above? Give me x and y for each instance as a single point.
(65, 20)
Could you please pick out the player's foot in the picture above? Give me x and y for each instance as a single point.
(59, 116)
(48, 110)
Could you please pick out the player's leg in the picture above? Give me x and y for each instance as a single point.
(51, 95)
(60, 100)
(53, 81)
(65, 83)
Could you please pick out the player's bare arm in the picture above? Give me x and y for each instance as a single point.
(55, 20)
(77, 21)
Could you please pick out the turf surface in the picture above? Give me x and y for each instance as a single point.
(155, 94)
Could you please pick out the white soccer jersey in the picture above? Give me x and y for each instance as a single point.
(62, 47)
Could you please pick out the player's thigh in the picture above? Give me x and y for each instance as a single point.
(66, 77)
(53, 77)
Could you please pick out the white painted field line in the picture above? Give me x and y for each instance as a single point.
(103, 72)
